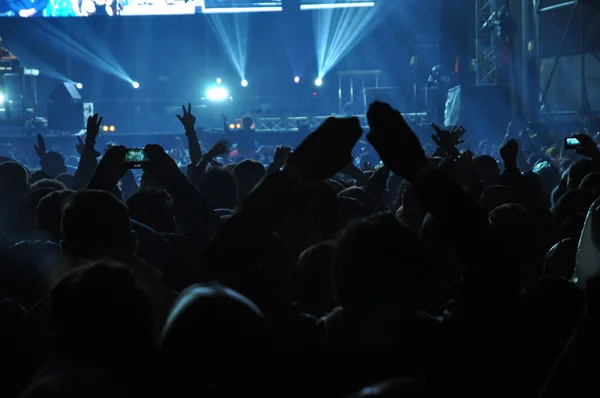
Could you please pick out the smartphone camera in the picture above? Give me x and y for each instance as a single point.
(572, 143)
(136, 158)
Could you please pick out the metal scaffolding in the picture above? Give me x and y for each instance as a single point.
(576, 9)
(486, 60)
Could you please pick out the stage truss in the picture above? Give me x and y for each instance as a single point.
(293, 123)
(486, 59)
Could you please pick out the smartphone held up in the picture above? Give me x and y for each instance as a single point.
(572, 143)
(136, 158)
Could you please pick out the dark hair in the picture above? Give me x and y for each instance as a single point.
(152, 207)
(100, 314)
(95, 221)
(48, 183)
(49, 211)
(377, 260)
(219, 185)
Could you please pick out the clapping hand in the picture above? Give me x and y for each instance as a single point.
(281, 155)
(325, 151)
(93, 127)
(220, 148)
(394, 141)
(110, 169)
(448, 140)
(40, 148)
(161, 165)
(509, 153)
(187, 119)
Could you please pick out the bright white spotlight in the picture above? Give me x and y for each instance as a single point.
(1, 99)
(217, 94)
(135, 85)
(304, 7)
(79, 86)
(219, 81)
(318, 82)
(296, 79)
(244, 83)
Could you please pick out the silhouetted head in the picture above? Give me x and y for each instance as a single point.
(487, 169)
(591, 183)
(378, 263)
(213, 337)
(247, 122)
(100, 315)
(13, 181)
(549, 175)
(48, 183)
(220, 188)
(496, 195)
(153, 208)
(362, 196)
(560, 259)
(573, 202)
(312, 279)
(514, 227)
(13, 188)
(248, 173)
(49, 212)
(53, 163)
(577, 172)
(66, 178)
(95, 224)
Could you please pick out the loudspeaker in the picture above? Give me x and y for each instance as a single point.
(483, 110)
(65, 92)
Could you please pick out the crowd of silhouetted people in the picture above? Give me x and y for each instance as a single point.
(317, 270)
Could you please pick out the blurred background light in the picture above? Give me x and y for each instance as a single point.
(217, 94)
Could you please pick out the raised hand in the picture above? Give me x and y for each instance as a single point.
(448, 140)
(325, 151)
(394, 141)
(281, 154)
(509, 153)
(110, 169)
(220, 148)
(187, 119)
(40, 148)
(161, 165)
(80, 145)
(93, 127)
(588, 147)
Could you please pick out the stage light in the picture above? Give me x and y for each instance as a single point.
(104, 128)
(244, 83)
(112, 129)
(238, 126)
(296, 79)
(217, 94)
(318, 82)
(304, 7)
(79, 86)
(219, 81)
(1, 99)
(231, 126)
(135, 85)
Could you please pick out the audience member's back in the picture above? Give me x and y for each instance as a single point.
(211, 342)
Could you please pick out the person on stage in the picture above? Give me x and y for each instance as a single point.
(28, 8)
(244, 137)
